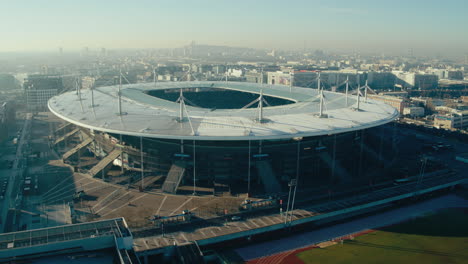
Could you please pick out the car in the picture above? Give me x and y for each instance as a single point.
(236, 218)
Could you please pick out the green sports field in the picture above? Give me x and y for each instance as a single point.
(440, 237)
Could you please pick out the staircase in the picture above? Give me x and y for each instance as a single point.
(173, 179)
(102, 164)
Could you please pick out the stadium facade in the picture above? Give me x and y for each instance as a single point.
(235, 137)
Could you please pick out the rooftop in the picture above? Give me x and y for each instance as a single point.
(148, 116)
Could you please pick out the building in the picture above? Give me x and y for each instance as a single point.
(413, 111)
(235, 72)
(419, 81)
(7, 119)
(280, 77)
(87, 82)
(381, 80)
(219, 69)
(233, 137)
(448, 74)
(458, 120)
(397, 102)
(256, 77)
(455, 75)
(38, 89)
(332, 80)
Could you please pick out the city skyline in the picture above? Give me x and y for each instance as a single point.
(424, 26)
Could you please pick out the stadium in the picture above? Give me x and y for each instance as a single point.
(232, 137)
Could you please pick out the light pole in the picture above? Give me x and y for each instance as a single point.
(194, 170)
(248, 173)
(291, 183)
(298, 139)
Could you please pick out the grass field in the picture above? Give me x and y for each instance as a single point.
(441, 237)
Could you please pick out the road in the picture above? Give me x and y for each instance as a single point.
(16, 170)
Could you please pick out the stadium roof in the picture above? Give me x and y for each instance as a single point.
(148, 116)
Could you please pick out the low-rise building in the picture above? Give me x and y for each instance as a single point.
(397, 102)
(256, 77)
(38, 89)
(458, 120)
(413, 111)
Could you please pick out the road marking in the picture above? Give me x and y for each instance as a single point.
(267, 219)
(277, 219)
(160, 206)
(260, 220)
(121, 205)
(205, 203)
(255, 224)
(104, 199)
(156, 242)
(177, 209)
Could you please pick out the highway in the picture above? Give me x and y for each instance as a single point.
(15, 177)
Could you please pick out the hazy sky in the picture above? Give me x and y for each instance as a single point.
(380, 25)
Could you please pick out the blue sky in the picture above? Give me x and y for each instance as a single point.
(360, 24)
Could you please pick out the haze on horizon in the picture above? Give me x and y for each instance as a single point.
(380, 26)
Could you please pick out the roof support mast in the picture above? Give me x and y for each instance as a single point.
(291, 78)
(358, 97)
(346, 92)
(77, 88)
(78, 92)
(181, 106)
(318, 82)
(365, 92)
(226, 73)
(92, 96)
(119, 93)
(321, 104)
(320, 91)
(260, 106)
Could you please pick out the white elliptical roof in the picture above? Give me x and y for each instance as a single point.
(148, 116)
